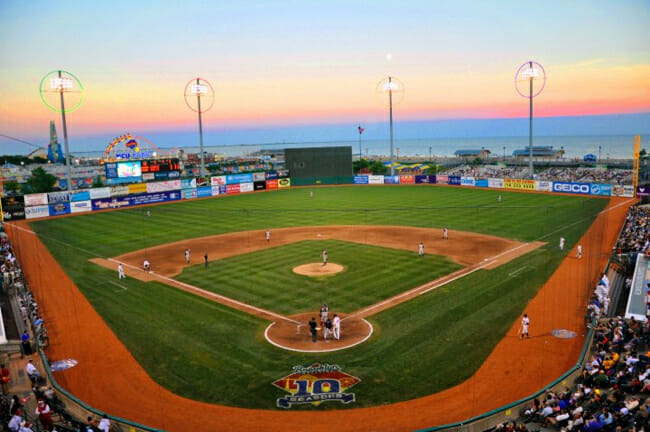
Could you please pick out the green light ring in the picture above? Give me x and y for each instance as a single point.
(69, 110)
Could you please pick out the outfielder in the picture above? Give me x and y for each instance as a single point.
(524, 327)
(561, 243)
(120, 271)
(337, 327)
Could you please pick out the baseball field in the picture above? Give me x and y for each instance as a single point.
(206, 348)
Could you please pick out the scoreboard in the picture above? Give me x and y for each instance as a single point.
(160, 165)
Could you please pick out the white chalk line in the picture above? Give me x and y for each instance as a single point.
(266, 335)
(118, 285)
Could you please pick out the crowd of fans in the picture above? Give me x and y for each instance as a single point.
(565, 174)
(635, 237)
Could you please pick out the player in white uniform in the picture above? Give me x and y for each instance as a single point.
(267, 235)
(120, 271)
(187, 255)
(337, 327)
(324, 257)
(146, 265)
(579, 251)
(561, 243)
(499, 198)
(421, 249)
(445, 234)
(525, 322)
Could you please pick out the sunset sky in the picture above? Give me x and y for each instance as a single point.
(281, 64)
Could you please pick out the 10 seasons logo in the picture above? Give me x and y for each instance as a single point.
(316, 384)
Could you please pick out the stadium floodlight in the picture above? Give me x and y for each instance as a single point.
(394, 88)
(199, 97)
(530, 80)
(52, 89)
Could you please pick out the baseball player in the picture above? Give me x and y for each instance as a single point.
(205, 260)
(445, 233)
(311, 194)
(148, 213)
(312, 329)
(324, 257)
(146, 265)
(421, 249)
(120, 271)
(337, 327)
(267, 235)
(328, 328)
(187, 255)
(561, 243)
(524, 327)
(324, 312)
(499, 198)
(579, 251)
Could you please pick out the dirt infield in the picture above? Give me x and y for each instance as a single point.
(108, 377)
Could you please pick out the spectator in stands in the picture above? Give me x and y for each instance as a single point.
(44, 414)
(4, 379)
(16, 420)
(104, 424)
(33, 373)
(26, 344)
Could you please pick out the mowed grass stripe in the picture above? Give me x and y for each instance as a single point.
(372, 274)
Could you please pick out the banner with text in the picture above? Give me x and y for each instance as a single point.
(520, 184)
(81, 206)
(37, 211)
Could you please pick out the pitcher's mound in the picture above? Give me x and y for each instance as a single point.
(318, 269)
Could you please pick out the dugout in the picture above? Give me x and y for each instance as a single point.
(319, 165)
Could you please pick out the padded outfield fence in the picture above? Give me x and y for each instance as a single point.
(139, 222)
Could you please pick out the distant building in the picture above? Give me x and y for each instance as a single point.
(542, 152)
(472, 154)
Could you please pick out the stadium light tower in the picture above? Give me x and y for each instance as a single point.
(394, 88)
(527, 75)
(52, 89)
(198, 90)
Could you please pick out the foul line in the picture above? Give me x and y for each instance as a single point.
(118, 285)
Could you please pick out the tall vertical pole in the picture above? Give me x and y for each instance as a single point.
(359, 143)
(390, 101)
(530, 129)
(198, 100)
(65, 136)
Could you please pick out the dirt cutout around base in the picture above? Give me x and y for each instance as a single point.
(318, 269)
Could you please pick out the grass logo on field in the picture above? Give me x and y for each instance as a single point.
(316, 384)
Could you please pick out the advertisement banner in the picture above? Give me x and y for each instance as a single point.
(259, 185)
(218, 190)
(617, 190)
(425, 179)
(60, 208)
(495, 183)
(628, 191)
(56, 197)
(80, 196)
(218, 180)
(600, 189)
(13, 208)
(137, 188)
(575, 188)
(81, 206)
(481, 183)
(454, 180)
(259, 176)
(284, 182)
(375, 179)
(100, 193)
(642, 191)
(163, 186)
(271, 175)
(37, 211)
(148, 176)
(391, 179)
(189, 193)
(119, 191)
(272, 184)
(362, 179)
(520, 184)
(239, 178)
(442, 179)
(204, 192)
(407, 179)
(36, 199)
(246, 187)
(232, 188)
(118, 202)
(467, 181)
(188, 183)
(203, 181)
(545, 186)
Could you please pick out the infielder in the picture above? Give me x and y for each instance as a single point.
(579, 251)
(324, 257)
(445, 234)
(187, 255)
(337, 327)
(524, 327)
(146, 265)
(120, 271)
(421, 249)
(561, 243)
(267, 236)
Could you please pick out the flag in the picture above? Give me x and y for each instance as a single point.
(360, 129)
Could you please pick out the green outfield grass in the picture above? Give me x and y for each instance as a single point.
(209, 352)
(265, 278)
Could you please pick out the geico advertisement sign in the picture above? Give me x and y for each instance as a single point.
(576, 188)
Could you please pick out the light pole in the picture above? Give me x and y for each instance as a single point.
(526, 74)
(599, 149)
(429, 153)
(52, 87)
(360, 130)
(200, 89)
(504, 153)
(395, 90)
